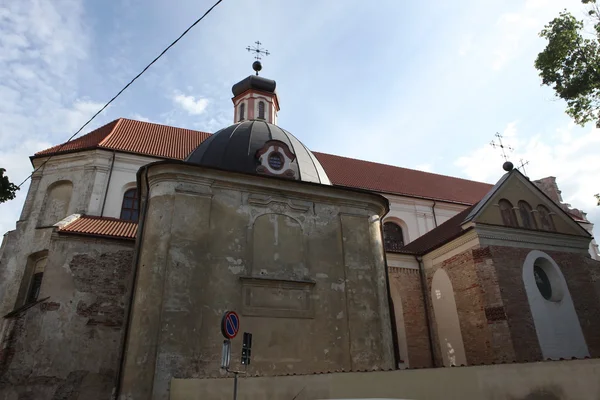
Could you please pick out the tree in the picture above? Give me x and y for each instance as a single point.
(570, 63)
(8, 190)
(598, 198)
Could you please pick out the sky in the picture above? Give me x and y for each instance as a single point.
(421, 85)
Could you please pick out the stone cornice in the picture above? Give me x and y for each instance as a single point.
(258, 185)
(514, 237)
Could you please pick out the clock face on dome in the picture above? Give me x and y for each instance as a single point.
(275, 158)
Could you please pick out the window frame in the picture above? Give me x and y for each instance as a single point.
(261, 110)
(242, 115)
(387, 240)
(134, 209)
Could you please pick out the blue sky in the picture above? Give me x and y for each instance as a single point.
(421, 85)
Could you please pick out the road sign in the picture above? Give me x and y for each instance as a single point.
(226, 354)
(230, 324)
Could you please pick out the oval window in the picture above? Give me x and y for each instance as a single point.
(543, 282)
(276, 160)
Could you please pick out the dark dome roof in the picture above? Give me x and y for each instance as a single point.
(254, 82)
(257, 147)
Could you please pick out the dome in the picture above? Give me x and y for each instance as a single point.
(257, 147)
(254, 82)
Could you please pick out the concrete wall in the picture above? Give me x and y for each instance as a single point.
(556, 380)
(303, 264)
(69, 345)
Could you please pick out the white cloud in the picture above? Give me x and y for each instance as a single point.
(569, 155)
(42, 44)
(190, 104)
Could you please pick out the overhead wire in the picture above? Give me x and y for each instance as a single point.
(121, 91)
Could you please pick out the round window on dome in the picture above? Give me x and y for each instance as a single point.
(543, 282)
(276, 160)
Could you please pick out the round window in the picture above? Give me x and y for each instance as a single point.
(543, 282)
(276, 160)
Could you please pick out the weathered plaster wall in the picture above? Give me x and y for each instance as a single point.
(556, 380)
(69, 345)
(302, 264)
(84, 171)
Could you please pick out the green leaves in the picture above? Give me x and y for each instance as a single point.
(7, 189)
(570, 64)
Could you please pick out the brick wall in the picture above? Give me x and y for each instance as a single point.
(408, 282)
(576, 268)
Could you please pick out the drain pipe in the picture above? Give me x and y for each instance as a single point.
(112, 164)
(132, 286)
(426, 305)
(433, 211)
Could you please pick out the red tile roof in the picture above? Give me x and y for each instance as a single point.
(403, 181)
(438, 236)
(170, 142)
(102, 226)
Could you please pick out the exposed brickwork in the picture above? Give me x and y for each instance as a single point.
(409, 283)
(576, 270)
(50, 306)
(508, 262)
(83, 322)
(494, 314)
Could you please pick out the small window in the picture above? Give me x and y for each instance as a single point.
(508, 213)
(242, 111)
(527, 215)
(261, 109)
(36, 280)
(392, 236)
(546, 221)
(542, 281)
(129, 209)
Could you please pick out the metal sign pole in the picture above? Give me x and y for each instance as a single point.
(235, 374)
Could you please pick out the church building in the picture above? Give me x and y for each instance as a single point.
(135, 238)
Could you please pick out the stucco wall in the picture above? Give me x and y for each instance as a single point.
(69, 345)
(302, 264)
(557, 380)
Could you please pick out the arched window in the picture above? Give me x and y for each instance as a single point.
(508, 213)
(546, 221)
(242, 110)
(56, 203)
(526, 215)
(261, 109)
(31, 282)
(129, 209)
(392, 237)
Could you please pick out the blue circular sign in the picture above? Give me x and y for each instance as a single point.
(230, 324)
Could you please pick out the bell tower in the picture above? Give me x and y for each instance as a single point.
(254, 97)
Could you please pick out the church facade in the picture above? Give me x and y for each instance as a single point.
(136, 237)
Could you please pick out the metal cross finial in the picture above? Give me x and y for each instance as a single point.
(501, 146)
(523, 164)
(257, 50)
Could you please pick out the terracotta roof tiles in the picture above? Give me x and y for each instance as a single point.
(163, 141)
(102, 226)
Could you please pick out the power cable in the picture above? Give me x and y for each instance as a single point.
(122, 90)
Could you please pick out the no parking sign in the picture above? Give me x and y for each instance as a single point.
(230, 324)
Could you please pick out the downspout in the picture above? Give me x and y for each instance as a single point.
(390, 303)
(132, 286)
(426, 305)
(112, 164)
(433, 211)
